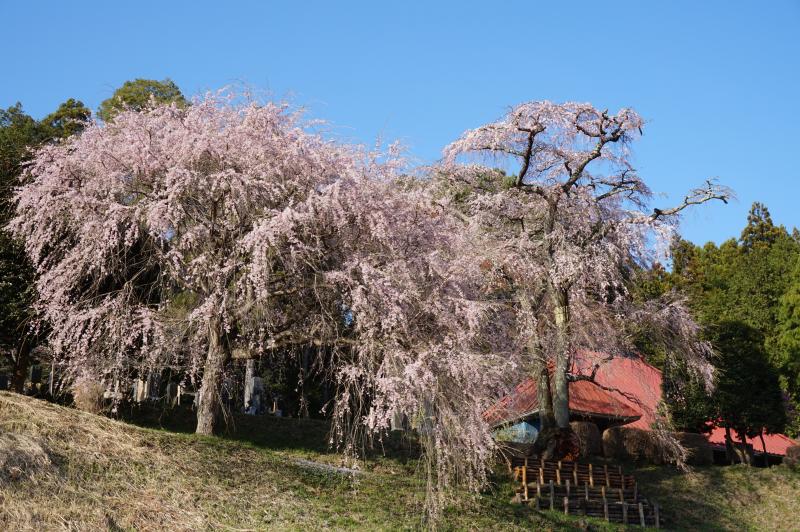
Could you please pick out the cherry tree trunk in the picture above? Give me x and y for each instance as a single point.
(249, 374)
(210, 401)
(21, 366)
(560, 384)
(543, 394)
(559, 441)
(540, 374)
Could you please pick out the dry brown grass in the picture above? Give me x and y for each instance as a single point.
(78, 471)
(22, 457)
(88, 396)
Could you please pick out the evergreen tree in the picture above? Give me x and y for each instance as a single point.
(788, 340)
(747, 398)
(690, 405)
(139, 94)
(759, 231)
(745, 281)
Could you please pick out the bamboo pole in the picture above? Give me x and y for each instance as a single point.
(525, 479)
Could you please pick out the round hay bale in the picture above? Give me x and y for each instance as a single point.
(700, 452)
(792, 457)
(612, 444)
(21, 457)
(631, 444)
(591, 442)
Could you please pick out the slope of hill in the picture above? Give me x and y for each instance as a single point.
(65, 469)
(61, 468)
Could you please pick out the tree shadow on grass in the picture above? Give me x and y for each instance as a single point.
(303, 435)
(262, 431)
(687, 499)
(310, 438)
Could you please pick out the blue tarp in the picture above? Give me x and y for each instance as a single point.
(522, 432)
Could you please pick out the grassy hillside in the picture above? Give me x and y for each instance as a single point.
(65, 469)
(85, 472)
(726, 498)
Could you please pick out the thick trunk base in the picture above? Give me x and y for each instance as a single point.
(209, 400)
(21, 367)
(557, 444)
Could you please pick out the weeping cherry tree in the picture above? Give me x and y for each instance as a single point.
(138, 227)
(174, 236)
(566, 231)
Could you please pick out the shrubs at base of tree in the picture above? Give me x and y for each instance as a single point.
(87, 395)
(630, 444)
(591, 442)
(699, 450)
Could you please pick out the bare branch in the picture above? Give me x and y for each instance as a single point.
(709, 192)
(526, 156)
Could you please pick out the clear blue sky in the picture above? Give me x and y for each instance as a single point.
(718, 82)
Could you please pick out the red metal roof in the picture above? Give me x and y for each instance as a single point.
(638, 384)
(584, 398)
(776, 443)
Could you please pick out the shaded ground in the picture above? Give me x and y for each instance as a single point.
(77, 471)
(726, 498)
